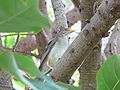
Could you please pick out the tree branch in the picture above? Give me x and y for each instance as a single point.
(107, 13)
(73, 16)
(76, 3)
(90, 67)
(21, 52)
(60, 17)
(113, 45)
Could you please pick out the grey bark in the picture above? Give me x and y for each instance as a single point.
(5, 81)
(92, 63)
(113, 45)
(60, 16)
(73, 16)
(76, 3)
(91, 34)
(25, 44)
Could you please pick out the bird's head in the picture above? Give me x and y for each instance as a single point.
(64, 32)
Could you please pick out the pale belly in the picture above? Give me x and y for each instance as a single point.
(56, 53)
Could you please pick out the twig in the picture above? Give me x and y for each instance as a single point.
(47, 72)
(16, 34)
(21, 52)
(14, 46)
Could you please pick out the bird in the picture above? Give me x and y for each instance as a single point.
(55, 49)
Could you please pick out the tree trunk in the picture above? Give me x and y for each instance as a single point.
(89, 69)
(92, 63)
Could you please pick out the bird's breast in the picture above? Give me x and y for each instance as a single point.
(57, 51)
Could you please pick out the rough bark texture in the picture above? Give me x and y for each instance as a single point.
(89, 69)
(5, 81)
(92, 63)
(104, 18)
(76, 3)
(113, 45)
(41, 43)
(60, 17)
(25, 44)
(86, 10)
(73, 16)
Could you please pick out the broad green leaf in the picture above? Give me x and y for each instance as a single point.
(47, 85)
(9, 62)
(16, 16)
(69, 87)
(108, 77)
(6, 59)
(27, 64)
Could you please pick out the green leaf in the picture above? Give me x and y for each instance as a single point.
(47, 85)
(9, 41)
(69, 87)
(9, 62)
(5, 61)
(108, 77)
(16, 16)
(27, 64)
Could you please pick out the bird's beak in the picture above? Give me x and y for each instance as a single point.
(71, 31)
